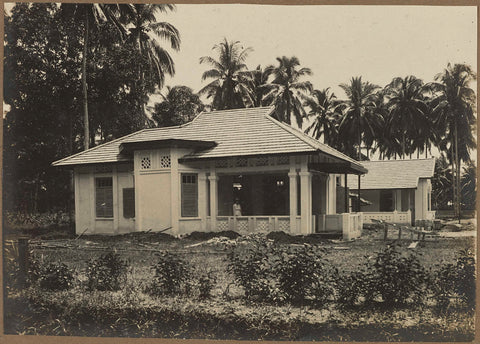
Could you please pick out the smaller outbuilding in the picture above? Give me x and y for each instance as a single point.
(399, 190)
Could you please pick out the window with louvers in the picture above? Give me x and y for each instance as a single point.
(189, 195)
(129, 203)
(104, 197)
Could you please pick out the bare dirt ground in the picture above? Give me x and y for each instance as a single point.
(226, 315)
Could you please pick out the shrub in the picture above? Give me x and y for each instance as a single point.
(106, 273)
(390, 277)
(465, 277)
(443, 286)
(456, 279)
(172, 275)
(251, 265)
(274, 273)
(302, 274)
(19, 220)
(55, 277)
(398, 278)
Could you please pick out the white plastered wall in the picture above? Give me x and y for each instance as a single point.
(421, 198)
(85, 214)
(153, 190)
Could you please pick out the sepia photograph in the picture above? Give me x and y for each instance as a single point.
(274, 172)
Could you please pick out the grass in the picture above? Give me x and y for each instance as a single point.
(131, 312)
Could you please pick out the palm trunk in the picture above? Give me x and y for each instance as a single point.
(454, 180)
(457, 165)
(84, 84)
(288, 105)
(359, 144)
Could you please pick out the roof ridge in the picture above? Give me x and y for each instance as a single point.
(301, 135)
(238, 109)
(96, 147)
(400, 160)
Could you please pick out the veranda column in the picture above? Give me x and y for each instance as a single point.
(293, 201)
(306, 202)
(202, 199)
(213, 200)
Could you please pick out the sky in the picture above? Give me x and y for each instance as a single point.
(336, 42)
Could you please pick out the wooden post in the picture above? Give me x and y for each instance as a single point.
(23, 260)
(400, 233)
(385, 231)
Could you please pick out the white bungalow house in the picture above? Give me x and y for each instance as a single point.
(186, 178)
(399, 190)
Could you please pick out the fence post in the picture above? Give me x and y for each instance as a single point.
(385, 231)
(23, 260)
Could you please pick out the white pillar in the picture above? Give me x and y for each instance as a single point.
(202, 199)
(116, 203)
(175, 192)
(293, 200)
(213, 200)
(306, 202)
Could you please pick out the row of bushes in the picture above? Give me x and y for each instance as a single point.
(302, 275)
(289, 274)
(171, 276)
(19, 220)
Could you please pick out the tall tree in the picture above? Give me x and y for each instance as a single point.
(408, 111)
(322, 106)
(145, 34)
(91, 16)
(40, 86)
(453, 107)
(441, 183)
(359, 113)
(180, 105)
(469, 185)
(257, 86)
(286, 90)
(229, 88)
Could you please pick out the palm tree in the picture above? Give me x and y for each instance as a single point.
(145, 34)
(91, 16)
(230, 86)
(322, 105)
(257, 86)
(453, 107)
(407, 116)
(359, 115)
(286, 91)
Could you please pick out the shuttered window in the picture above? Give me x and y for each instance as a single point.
(129, 203)
(104, 197)
(189, 195)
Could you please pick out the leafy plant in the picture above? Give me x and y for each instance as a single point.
(302, 274)
(106, 273)
(172, 275)
(55, 277)
(398, 278)
(391, 277)
(251, 265)
(456, 279)
(465, 277)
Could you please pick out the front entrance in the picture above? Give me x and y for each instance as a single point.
(257, 194)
